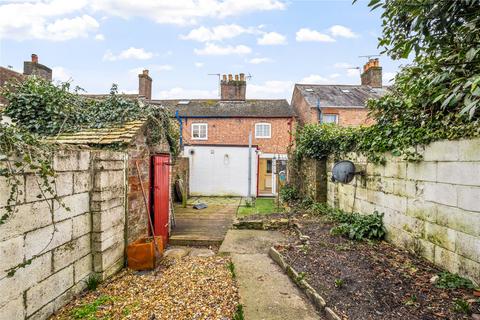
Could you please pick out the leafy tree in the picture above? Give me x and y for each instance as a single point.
(444, 38)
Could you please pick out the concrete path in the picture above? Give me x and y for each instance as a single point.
(203, 227)
(265, 291)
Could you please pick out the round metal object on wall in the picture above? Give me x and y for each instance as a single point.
(343, 171)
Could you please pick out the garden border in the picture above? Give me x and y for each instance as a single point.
(317, 300)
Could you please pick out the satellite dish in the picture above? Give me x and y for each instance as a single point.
(343, 171)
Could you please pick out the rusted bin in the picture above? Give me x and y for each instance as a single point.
(141, 253)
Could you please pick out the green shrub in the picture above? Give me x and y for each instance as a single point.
(289, 194)
(360, 227)
(92, 282)
(449, 280)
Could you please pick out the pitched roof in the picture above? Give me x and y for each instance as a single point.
(121, 134)
(343, 96)
(255, 108)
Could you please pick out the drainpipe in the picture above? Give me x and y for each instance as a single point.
(319, 111)
(181, 127)
(250, 165)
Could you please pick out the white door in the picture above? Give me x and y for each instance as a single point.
(220, 171)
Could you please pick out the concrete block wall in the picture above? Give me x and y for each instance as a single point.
(54, 250)
(431, 207)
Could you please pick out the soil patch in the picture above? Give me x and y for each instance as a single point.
(361, 280)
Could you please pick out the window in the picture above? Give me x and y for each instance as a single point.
(269, 166)
(329, 118)
(263, 130)
(199, 131)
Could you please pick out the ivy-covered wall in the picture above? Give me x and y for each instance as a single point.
(431, 207)
(46, 251)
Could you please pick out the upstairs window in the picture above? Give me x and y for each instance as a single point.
(329, 118)
(263, 130)
(199, 131)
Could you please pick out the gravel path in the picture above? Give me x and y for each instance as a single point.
(190, 288)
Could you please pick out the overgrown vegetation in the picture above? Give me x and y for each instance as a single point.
(239, 315)
(436, 97)
(87, 311)
(290, 195)
(93, 281)
(231, 268)
(449, 280)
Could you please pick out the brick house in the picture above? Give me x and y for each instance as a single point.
(215, 137)
(32, 67)
(341, 104)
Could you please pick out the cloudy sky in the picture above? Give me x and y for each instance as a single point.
(95, 43)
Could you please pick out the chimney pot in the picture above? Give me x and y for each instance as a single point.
(145, 72)
(34, 58)
(372, 74)
(233, 90)
(145, 85)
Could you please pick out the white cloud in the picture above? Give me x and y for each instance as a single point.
(318, 79)
(259, 60)
(270, 89)
(342, 31)
(216, 50)
(184, 12)
(199, 64)
(45, 20)
(182, 93)
(272, 38)
(99, 37)
(306, 34)
(388, 77)
(218, 33)
(61, 74)
(130, 53)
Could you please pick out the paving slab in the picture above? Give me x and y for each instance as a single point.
(250, 241)
(266, 292)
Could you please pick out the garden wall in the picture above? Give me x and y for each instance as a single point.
(431, 207)
(55, 251)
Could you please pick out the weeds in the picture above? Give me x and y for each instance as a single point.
(301, 276)
(87, 311)
(231, 268)
(411, 300)
(449, 280)
(339, 283)
(359, 227)
(93, 281)
(461, 306)
(239, 313)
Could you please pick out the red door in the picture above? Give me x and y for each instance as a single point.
(161, 195)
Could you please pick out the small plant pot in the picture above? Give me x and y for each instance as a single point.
(141, 253)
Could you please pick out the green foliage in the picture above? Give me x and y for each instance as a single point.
(449, 280)
(301, 276)
(260, 206)
(47, 109)
(339, 283)
(289, 194)
(87, 311)
(239, 315)
(231, 268)
(360, 227)
(444, 38)
(461, 306)
(92, 282)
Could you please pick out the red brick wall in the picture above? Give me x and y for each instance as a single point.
(234, 131)
(304, 111)
(352, 117)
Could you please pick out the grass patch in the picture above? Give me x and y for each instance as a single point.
(259, 206)
(239, 313)
(87, 311)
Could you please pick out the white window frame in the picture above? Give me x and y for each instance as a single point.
(269, 125)
(330, 114)
(199, 125)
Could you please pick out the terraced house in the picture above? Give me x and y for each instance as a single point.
(344, 105)
(215, 137)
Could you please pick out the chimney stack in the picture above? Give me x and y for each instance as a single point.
(36, 69)
(145, 85)
(233, 90)
(372, 74)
